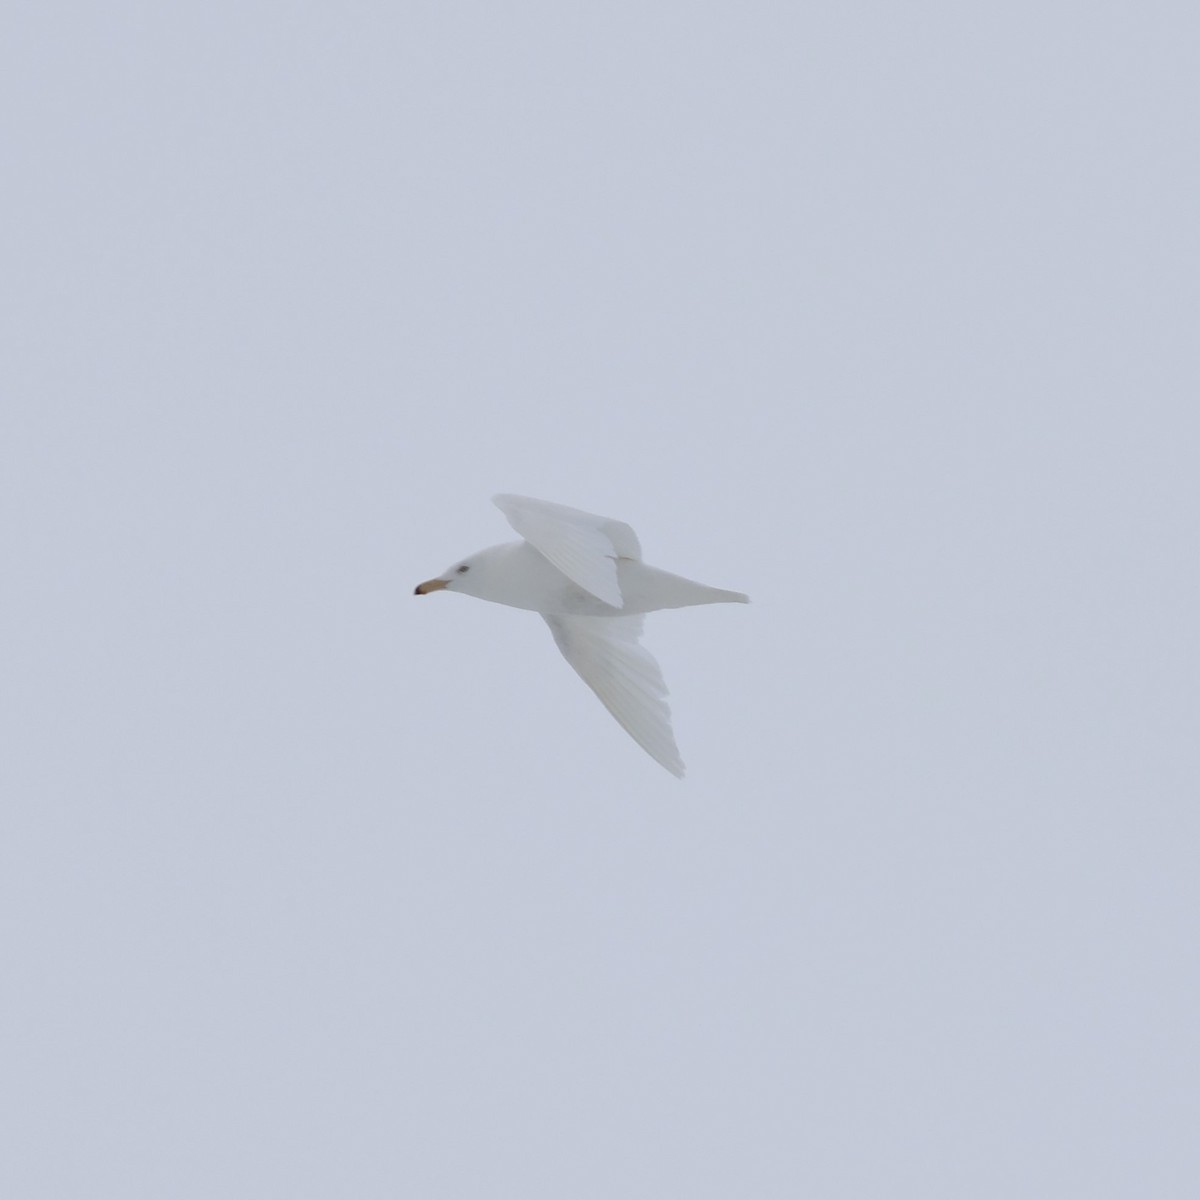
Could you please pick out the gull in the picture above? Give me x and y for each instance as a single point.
(585, 575)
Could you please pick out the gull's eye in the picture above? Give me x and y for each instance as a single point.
(463, 569)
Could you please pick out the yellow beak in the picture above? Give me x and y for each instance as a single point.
(430, 585)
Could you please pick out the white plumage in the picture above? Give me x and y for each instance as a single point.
(585, 575)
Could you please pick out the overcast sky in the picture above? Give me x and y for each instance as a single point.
(885, 314)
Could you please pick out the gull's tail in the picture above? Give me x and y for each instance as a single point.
(647, 589)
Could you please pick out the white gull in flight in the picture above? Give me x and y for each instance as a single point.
(586, 577)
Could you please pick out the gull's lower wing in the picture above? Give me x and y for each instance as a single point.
(583, 546)
(605, 653)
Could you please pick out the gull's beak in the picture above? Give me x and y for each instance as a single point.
(430, 585)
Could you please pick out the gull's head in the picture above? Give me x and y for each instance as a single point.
(468, 575)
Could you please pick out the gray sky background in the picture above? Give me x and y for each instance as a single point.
(885, 314)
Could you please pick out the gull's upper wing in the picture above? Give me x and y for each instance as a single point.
(605, 653)
(583, 546)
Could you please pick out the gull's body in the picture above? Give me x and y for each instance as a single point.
(586, 577)
(518, 575)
